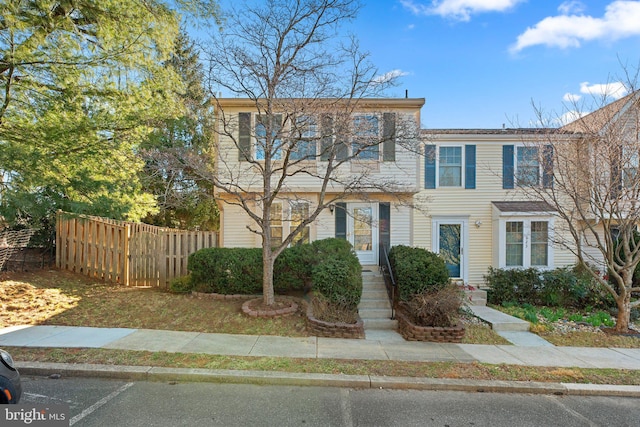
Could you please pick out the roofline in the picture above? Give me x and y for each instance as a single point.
(366, 102)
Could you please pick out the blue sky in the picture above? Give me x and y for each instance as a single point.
(482, 63)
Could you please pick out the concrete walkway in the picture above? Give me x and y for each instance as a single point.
(386, 345)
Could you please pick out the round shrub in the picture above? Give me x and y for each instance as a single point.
(339, 280)
(227, 270)
(417, 270)
(292, 269)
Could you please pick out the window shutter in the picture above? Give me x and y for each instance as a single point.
(341, 220)
(244, 136)
(389, 137)
(326, 139)
(547, 165)
(616, 174)
(470, 166)
(429, 166)
(508, 171)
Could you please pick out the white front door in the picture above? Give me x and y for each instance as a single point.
(362, 231)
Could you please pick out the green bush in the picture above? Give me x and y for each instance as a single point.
(417, 270)
(561, 287)
(339, 280)
(181, 285)
(227, 270)
(292, 269)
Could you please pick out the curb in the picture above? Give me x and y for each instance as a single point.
(149, 373)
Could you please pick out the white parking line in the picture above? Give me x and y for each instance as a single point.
(98, 404)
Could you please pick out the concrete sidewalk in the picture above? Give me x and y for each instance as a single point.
(386, 345)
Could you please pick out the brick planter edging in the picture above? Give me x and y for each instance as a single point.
(320, 328)
(281, 312)
(413, 332)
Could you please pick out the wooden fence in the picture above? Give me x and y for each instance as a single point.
(132, 254)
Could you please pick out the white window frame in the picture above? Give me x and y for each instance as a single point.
(462, 165)
(517, 182)
(526, 218)
(363, 156)
(258, 148)
(286, 224)
(307, 133)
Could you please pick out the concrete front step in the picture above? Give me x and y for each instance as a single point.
(498, 320)
(374, 313)
(374, 303)
(374, 294)
(476, 297)
(380, 324)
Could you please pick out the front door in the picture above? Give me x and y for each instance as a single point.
(449, 243)
(362, 231)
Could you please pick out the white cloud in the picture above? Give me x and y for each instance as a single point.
(571, 7)
(615, 90)
(459, 9)
(571, 97)
(569, 116)
(620, 20)
(388, 76)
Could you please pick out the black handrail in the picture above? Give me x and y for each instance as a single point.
(389, 281)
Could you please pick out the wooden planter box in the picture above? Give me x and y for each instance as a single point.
(413, 332)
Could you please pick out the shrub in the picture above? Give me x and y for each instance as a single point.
(327, 311)
(181, 285)
(293, 267)
(562, 287)
(417, 270)
(512, 285)
(227, 270)
(339, 280)
(435, 307)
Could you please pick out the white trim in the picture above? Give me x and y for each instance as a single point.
(526, 256)
(462, 164)
(366, 257)
(463, 221)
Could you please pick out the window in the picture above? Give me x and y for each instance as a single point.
(527, 166)
(300, 212)
(274, 144)
(526, 243)
(366, 137)
(630, 165)
(450, 167)
(276, 223)
(304, 141)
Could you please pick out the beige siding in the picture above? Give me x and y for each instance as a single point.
(474, 205)
(234, 228)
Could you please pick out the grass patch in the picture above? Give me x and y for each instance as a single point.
(57, 297)
(476, 371)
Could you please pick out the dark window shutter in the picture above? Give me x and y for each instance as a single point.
(340, 214)
(326, 139)
(389, 137)
(470, 166)
(508, 171)
(244, 136)
(547, 166)
(616, 174)
(384, 226)
(429, 166)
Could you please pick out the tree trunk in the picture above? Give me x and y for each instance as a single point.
(267, 276)
(624, 313)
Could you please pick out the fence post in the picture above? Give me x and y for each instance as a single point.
(126, 255)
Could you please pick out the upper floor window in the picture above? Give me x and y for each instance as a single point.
(366, 137)
(273, 144)
(527, 166)
(305, 134)
(450, 166)
(630, 165)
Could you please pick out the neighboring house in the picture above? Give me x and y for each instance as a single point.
(475, 214)
(367, 196)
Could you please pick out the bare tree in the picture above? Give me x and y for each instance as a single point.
(594, 163)
(282, 61)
